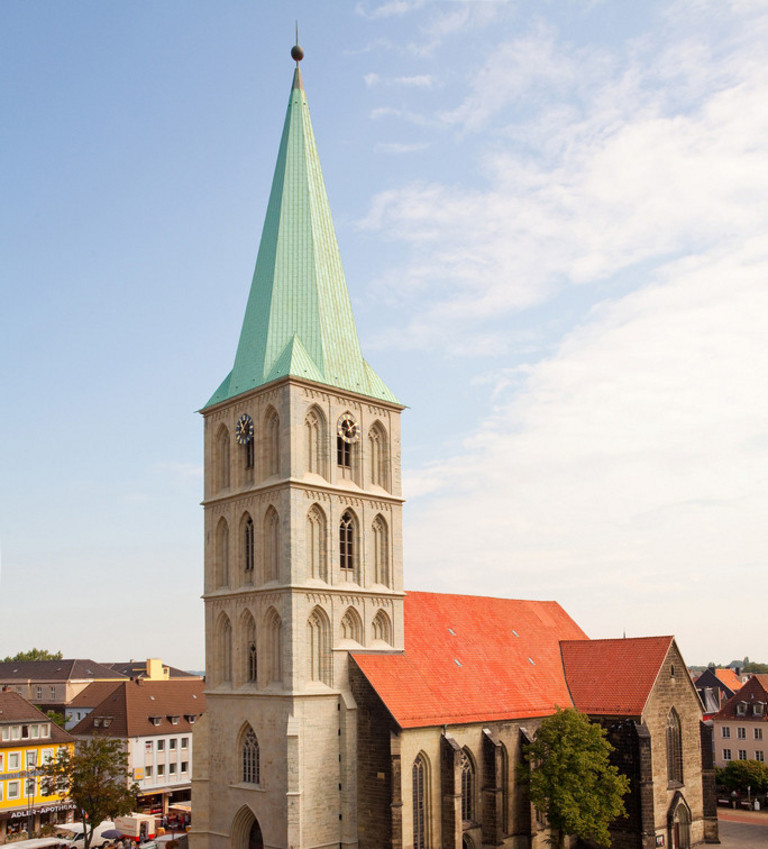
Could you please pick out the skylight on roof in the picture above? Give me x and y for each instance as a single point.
(531, 661)
(515, 633)
(452, 632)
(457, 662)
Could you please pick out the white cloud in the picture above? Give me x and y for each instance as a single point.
(416, 81)
(391, 9)
(401, 147)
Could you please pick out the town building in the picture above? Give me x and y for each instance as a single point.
(342, 711)
(52, 684)
(27, 740)
(715, 686)
(155, 720)
(740, 728)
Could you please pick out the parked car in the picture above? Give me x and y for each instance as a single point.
(74, 832)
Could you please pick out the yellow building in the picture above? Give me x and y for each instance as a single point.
(28, 739)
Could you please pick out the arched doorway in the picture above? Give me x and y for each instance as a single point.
(681, 829)
(255, 840)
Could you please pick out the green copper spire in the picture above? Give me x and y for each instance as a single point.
(298, 320)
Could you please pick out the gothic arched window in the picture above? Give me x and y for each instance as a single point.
(272, 444)
(316, 544)
(319, 635)
(380, 551)
(674, 748)
(249, 644)
(382, 628)
(274, 646)
(221, 456)
(271, 545)
(251, 765)
(420, 789)
(224, 653)
(249, 544)
(221, 555)
(467, 788)
(315, 442)
(377, 456)
(352, 626)
(347, 553)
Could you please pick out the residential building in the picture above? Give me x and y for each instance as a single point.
(740, 728)
(155, 720)
(342, 711)
(152, 669)
(52, 684)
(715, 686)
(86, 700)
(27, 740)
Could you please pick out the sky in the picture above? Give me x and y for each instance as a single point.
(553, 218)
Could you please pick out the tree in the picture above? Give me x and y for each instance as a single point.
(95, 777)
(59, 718)
(739, 775)
(33, 654)
(571, 780)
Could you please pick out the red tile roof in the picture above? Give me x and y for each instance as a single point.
(755, 690)
(472, 659)
(132, 704)
(94, 694)
(614, 677)
(729, 678)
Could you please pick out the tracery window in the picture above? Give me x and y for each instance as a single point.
(377, 456)
(347, 543)
(419, 781)
(274, 646)
(251, 765)
(314, 430)
(221, 480)
(352, 626)
(251, 660)
(467, 788)
(674, 748)
(249, 543)
(382, 627)
(225, 649)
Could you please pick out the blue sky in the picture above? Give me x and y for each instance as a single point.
(552, 218)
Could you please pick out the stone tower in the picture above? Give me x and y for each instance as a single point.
(303, 551)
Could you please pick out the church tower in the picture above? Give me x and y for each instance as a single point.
(303, 550)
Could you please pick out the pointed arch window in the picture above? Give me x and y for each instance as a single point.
(225, 650)
(347, 553)
(274, 646)
(419, 782)
(251, 760)
(221, 555)
(314, 436)
(319, 647)
(378, 455)
(467, 788)
(382, 628)
(674, 748)
(352, 626)
(380, 551)
(251, 657)
(249, 545)
(271, 545)
(272, 444)
(221, 478)
(316, 544)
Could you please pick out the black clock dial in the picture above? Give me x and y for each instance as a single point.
(244, 429)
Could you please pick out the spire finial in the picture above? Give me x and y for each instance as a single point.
(297, 54)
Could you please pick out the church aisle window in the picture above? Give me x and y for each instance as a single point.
(467, 788)
(419, 803)
(251, 765)
(674, 749)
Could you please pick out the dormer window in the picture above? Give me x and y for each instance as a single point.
(741, 709)
(97, 722)
(174, 720)
(758, 708)
(155, 720)
(190, 717)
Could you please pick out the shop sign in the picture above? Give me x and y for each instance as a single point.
(40, 809)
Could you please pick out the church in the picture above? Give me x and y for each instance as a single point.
(341, 710)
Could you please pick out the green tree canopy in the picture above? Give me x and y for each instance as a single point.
(33, 654)
(739, 775)
(95, 777)
(571, 780)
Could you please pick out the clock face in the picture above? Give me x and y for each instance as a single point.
(244, 429)
(348, 428)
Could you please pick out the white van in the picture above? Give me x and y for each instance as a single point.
(42, 843)
(74, 832)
